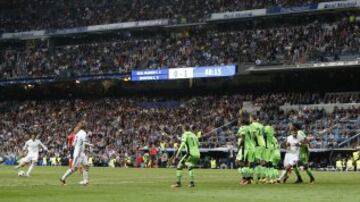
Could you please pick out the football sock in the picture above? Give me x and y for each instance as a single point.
(308, 172)
(242, 172)
(262, 172)
(67, 174)
(296, 169)
(246, 172)
(85, 175)
(269, 173)
(178, 175)
(283, 174)
(30, 169)
(275, 173)
(191, 175)
(257, 172)
(250, 172)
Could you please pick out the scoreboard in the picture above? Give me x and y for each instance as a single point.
(183, 73)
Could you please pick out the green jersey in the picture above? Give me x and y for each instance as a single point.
(191, 143)
(245, 134)
(270, 139)
(304, 148)
(146, 157)
(257, 131)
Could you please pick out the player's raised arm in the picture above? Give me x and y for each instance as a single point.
(86, 140)
(182, 145)
(86, 143)
(43, 146)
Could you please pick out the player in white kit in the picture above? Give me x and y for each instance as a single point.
(293, 143)
(80, 158)
(33, 148)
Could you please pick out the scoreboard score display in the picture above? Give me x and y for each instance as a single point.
(183, 73)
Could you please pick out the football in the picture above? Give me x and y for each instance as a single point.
(21, 173)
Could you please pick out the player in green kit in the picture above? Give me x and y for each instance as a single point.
(190, 142)
(257, 131)
(272, 154)
(304, 152)
(246, 150)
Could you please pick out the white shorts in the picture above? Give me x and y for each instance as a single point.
(30, 157)
(80, 160)
(290, 159)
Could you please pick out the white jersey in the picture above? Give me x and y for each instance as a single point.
(79, 143)
(294, 143)
(33, 147)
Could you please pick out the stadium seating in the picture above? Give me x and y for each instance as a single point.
(298, 44)
(123, 126)
(20, 15)
(126, 125)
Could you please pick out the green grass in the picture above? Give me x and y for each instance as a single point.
(107, 184)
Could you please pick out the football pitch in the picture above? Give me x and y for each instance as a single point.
(119, 184)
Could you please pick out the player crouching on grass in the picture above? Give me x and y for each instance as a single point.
(32, 146)
(80, 158)
(190, 142)
(246, 151)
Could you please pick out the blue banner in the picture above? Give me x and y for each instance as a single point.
(339, 4)
(150, 77)
(238, 14)
(294, 9)
(148, 72)
(214, 71)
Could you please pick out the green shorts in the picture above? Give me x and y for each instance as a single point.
(275, 157)
(240, 155)
(260, 153)
(190, 161)
(267, 155)
(304, 157)
(245, 155)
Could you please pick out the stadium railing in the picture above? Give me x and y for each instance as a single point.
(348, 141)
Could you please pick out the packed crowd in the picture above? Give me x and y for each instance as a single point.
(123, 127)
(278, 99)
(277, 45)
(22, 15)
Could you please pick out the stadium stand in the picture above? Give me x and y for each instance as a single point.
(21, 15)
(315, 41)
(127, 125)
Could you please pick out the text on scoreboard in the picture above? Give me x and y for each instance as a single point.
(183, 73)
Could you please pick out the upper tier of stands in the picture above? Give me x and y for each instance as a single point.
(281, 44)
(26, 15)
